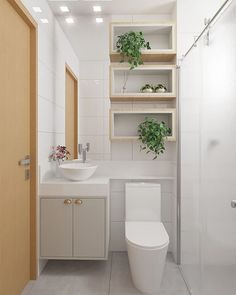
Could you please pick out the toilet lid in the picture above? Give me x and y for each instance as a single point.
(146, 234)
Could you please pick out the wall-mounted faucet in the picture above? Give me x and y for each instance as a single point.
(83, 151)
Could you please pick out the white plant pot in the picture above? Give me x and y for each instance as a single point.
(147, 90)
(160, 90)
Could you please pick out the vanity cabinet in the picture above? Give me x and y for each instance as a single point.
(73, 228)
(89, 228)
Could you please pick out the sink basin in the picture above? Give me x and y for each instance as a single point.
(78, 171)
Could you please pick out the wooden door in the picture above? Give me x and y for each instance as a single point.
(89, 228)
(56, 228)
(71, 116)
(17, 140)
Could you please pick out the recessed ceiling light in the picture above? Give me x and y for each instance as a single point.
(64, 9)
(99, 20)
(37, 9)
(97, 8)
(44, 20)
(70, 20)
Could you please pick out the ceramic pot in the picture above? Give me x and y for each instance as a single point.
(147, 90)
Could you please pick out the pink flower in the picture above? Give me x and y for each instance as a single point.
(59, 153)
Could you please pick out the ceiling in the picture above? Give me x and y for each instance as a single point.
(124, 7)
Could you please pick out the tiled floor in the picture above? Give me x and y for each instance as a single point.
(110, 277)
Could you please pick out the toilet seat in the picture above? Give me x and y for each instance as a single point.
(146, 234)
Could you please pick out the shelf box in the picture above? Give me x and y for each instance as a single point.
(138, 77)
(124, 124)
(160, 36)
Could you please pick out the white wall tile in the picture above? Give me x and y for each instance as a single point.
(117, 242)
(91, 126)
(106, 145)
(91, 107)
(45, 82)
(166, 207)
(117, 206)
(47, 114)
(118, 185)
(121, 150)
(92, 70)
(91, 88)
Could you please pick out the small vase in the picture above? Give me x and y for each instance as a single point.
(56, 169)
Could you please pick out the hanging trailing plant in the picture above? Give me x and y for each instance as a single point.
(129, 45)
(152, 135)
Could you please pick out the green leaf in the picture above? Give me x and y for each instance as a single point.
(152, 135)
(130, 45)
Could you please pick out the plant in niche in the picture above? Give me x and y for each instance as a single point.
(59, 154)
(160, 88)
(129, 45)
(152, 135)
(147, 88)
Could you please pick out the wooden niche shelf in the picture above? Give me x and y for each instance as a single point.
(133, 80)
(124, 124)
(160, 36)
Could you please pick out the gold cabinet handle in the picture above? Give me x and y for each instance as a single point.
(67, 201)
(78, 202)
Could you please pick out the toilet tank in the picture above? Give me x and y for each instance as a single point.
(143, 202)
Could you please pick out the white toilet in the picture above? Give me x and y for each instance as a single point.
(146, 238)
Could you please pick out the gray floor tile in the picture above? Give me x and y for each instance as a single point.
(74, 278)
(121, 282)
(110, 277)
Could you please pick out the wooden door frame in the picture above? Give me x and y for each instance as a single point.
(24, 13)
(74, 77)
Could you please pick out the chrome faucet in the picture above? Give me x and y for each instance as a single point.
(83, 151)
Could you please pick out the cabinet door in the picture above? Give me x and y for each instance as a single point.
(89, 228)
(56, 227)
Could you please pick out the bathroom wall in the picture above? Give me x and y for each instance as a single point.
(190, 20)
(54, 51)
(91, 43)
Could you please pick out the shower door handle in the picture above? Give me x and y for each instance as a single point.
(233, 204)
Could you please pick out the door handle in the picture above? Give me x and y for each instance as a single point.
(25, 161)
(233, 204)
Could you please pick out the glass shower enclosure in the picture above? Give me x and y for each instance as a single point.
(208, 159)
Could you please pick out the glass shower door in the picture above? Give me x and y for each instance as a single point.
(208, 164)
(218, 157)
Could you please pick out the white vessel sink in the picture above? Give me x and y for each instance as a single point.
(78, 171)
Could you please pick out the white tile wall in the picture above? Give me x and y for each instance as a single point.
(94, 104)
(54, 51)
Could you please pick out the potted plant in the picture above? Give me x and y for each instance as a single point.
(129, 45)
(160, 88)
(152, 135)
(147, 88)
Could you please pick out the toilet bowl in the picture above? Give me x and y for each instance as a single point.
(146, 238)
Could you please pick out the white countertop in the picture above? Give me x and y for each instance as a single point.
(99, 183)
(92, 180)
(92, 187)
